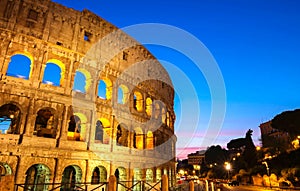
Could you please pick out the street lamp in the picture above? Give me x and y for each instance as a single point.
(228, 167)
(268, 172)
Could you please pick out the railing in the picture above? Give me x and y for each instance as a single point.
(63, 186)
(139, 185)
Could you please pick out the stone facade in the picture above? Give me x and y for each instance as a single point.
(80, 101)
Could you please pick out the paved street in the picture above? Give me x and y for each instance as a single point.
(248, 188)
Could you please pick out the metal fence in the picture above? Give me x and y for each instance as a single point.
(86, 186)
(139, 185)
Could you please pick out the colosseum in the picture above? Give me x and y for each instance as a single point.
(81, 101)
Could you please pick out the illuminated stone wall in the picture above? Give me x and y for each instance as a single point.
(73, 101)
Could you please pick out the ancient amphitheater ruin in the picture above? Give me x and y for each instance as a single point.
(80, 101)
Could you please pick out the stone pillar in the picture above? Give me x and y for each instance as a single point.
(212, 186)
(64, 124)
(112, 137)
(206, 185)
(164, 183)
(42, 72)
(48, 21)
(30, 118)
(112, 183)
(191, 186)
(111, 172)
(92, 129)
(68, 77)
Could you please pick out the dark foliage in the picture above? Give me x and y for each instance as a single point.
(215, 154)
(287, 121)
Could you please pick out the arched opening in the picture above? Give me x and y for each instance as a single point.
(53, 74)
(70, 177)
(37, 177)
(5, 169)
(168, 119)
(121, 176)
(103, 174)
(99, 132)
(82, 80)
(107, 134)
(102, 89)
(20, 66)
(122, 135)
(149, 175)
(77, 127)
(10, 116)
(45, 125)
(138, 101)
(158, 174)
(79, 82)
(149, 106)
(163, 115)
(105, 89)
(156, 110)
(137, 176)
(138, 138)
(96, 176)
(123, 94)
(166, 171)
(2, 171)
(150, 139)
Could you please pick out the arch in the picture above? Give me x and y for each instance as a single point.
(96, 176)
(150, 140)
(105, 88)
(20, 65)
(137, 176)
(168, 119)
(107, 134)
(45, 123)
(10, 116)
(123, 93)
(158, 174)
(103, 174)
(5, 169)
(163, 115)
(54, 72)
(99, 132)
(149, 106)
(122, 135)
(138, 101)
(37, 177)
(165, 171)
(77, 127)
(156, 110)
(82, 80)
(138, 138)
(149, 175)
(102, 89)
(70, 177)
(120, 174)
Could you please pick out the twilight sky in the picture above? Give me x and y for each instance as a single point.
(255, 44)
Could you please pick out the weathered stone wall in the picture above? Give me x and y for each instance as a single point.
(45, 31)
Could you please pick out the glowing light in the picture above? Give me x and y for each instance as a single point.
(228, 166)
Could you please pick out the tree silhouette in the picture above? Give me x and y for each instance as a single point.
(247, 146)
(287, 121)
(215, 154)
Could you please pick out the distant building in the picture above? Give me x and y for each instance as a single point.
(273, 137)
(196, 158)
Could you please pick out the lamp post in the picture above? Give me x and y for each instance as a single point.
(268, 172)
(228, 167)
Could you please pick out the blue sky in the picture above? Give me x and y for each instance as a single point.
(254, 42)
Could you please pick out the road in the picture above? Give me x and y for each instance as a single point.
(245, 188)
